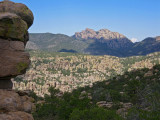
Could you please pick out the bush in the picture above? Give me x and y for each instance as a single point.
(94, 114)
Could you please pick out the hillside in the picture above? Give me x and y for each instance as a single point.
(146, 46)
(132, 96)
(68, 71)
(54, 42)
(95, 87)
(102, 42)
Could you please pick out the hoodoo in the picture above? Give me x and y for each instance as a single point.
(15, 19)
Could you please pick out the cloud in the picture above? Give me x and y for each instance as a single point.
(134, 40)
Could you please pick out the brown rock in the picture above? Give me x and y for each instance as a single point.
(15, 19)
(13, 60)
(105, 104)
(11, 45)
(11, 101)
(158, 38)
(18, 9)
(16, 116)
(148, 74)
(12, 27)
(101, 34)
(6, 84)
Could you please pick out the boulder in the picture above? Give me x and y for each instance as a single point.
(148, 74)
(15, 19)
(12, 102)
(13, 60)
(16, 116)
(19, 9)
(12, 27)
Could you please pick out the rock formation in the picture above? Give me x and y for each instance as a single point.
(158, 38)
(15, 106)
(101, 34)
(15, 19)
(103, 37)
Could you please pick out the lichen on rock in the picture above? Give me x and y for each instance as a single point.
(19, 9)
(15, 19)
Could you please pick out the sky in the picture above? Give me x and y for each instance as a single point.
(136, 19)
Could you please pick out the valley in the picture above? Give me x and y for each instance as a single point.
(69, 71)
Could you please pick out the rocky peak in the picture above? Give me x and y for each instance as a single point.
(85, 34)
(158, 38)
(101, 34)
(89, 30)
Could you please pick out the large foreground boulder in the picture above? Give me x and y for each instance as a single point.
(15, 19)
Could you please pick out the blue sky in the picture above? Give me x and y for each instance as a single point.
(134, 18)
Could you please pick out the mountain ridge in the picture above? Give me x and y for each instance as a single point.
(102, 42)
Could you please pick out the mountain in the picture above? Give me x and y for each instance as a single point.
(113, 39)
(54, 42)
(102, 42)
(148, 45)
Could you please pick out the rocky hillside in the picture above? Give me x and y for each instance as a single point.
(95, 87)
(102, 42)
(135, 95)
(114, 40)
(67, 71)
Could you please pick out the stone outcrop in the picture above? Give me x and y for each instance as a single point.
(15, 19)
(111, 39)
(101, 34)
(19, 9)
(15, 106)
(158, 38)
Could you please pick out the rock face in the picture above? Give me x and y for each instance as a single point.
(15, 19)
(19, 9)
(14, 106)
(12, 26)
(101, 34)
(158, 38)
(113, 39)
(104, 42)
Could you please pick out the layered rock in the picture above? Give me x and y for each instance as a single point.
(15, 19)
(19, 9)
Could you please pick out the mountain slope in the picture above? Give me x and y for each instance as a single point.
(146, 46)
(112, 39)
(102, 42)
(54, 42)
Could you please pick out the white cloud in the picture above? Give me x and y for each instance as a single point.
(134, 40)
